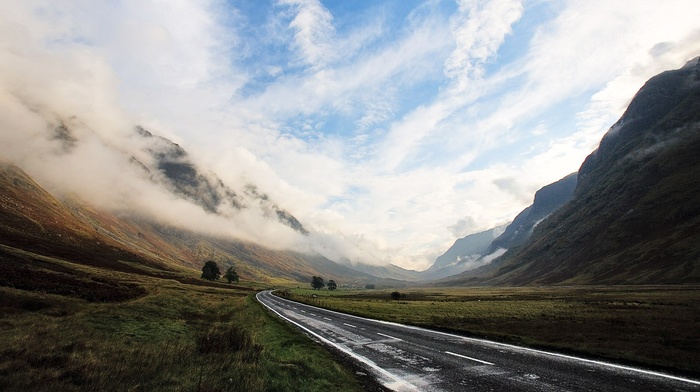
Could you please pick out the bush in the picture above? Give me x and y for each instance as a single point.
(210, 271)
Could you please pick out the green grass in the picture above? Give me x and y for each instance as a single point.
(657, 326)
(173, 337)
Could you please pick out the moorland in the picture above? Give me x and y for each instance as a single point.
(70, 327)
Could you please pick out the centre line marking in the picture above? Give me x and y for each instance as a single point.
(326, 318)
(469, 358)
(350, 325)
(389, 336)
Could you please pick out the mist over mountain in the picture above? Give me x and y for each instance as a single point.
(34, 221)
(129, 170)
(180, 174)
(634, 217)
(121, 167)
(547, 200)
(465, 254)
(482, 248)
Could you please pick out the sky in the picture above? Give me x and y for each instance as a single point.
(388, 128)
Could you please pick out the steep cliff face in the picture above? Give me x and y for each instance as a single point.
(655, 115)
(635, 214)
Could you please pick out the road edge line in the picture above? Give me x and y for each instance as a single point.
(397, 381)
(484, 341)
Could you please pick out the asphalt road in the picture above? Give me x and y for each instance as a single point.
(405, 358)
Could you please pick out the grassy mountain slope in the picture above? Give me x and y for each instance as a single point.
(32, 219)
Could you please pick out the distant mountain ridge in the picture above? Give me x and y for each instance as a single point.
(547, 200)
(463, 255)
(481, 248)
(634, 217)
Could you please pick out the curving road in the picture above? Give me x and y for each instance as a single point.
(405, 358)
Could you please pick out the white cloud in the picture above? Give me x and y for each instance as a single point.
(479, 28)
(345, 87)
(314, 32)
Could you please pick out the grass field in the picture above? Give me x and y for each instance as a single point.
(71, 327)
(156, 335)
(655, 326)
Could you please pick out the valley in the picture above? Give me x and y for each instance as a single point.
(520, 205)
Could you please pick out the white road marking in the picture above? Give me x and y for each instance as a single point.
(350, 325)
(469, 358)
(389, 336)
(312, 314)
(326, 318)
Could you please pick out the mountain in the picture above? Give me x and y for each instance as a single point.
(145, 200)
(547, 200)
(478, 249)
(388, 272)
(466, 253)
(33, 220)
(170, 164)
(634, 217)
(67, 142)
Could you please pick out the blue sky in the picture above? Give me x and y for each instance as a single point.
(389, 128)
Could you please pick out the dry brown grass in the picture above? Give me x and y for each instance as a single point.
(65, 329)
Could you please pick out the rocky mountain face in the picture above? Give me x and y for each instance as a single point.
(635, 214)
(171, 165)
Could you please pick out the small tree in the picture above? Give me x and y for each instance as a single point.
(396, 296)
(332, 285)
(317, 283)
(231, 275)
(369, 286)
(210, 271)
